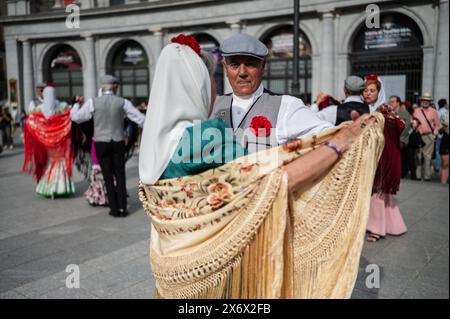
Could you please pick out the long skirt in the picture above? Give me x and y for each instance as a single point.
(384, 216)
(56, 181)
(96, 193)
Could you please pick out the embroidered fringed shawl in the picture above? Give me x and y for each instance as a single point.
(46, 141)
(237, 232)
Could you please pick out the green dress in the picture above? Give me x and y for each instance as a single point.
(203, 146)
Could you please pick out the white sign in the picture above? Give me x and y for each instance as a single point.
(394, 85)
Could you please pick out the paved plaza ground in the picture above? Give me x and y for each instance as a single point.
(40, 237)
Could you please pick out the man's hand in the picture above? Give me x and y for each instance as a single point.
(355, 115)
(321, 97)
(348, 135)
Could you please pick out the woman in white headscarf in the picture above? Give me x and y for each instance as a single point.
(374, 92)
(180, 103)
(48, 147)
(385, 217)
(222, 225)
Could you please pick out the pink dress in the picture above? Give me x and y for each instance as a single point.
(384, 216)
(96, 193)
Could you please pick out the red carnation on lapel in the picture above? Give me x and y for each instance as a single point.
(187, 40)
(260, 126)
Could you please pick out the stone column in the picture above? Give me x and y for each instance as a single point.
(87, 4)
(18, 7)
(102, 3)
(12, 70)
(341, 74)
(327, 53)
(58, 4)
(235, 27)
(441, 76)
(28, 90)
(316, 85)
(89, 70)
(159, 39)
(156, 45)
(427, 70)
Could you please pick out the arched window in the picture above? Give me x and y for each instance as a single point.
(63, 68)
(394, 52)
(208, 43)
(129, 63)
(279, 67)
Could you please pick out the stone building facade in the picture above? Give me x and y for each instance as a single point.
(409, 47)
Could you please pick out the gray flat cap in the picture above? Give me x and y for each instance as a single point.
(41, 85)
(244, 44)
(354, 83)
(109, 79)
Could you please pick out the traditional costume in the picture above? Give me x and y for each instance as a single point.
(234, 231)
(96, 194)
(48, 147)
(385, 217)
(288, 116)
(108, 112)
(339, 113)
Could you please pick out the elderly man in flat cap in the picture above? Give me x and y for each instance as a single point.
(38, 99)
(250, 105)
(336, 114)
(109, 111)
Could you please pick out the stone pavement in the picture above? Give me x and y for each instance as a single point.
(39, 238)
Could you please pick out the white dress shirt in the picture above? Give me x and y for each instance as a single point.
(329, 114)
(82, 114)
(295, 120)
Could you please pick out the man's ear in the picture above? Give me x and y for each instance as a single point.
(225, 67)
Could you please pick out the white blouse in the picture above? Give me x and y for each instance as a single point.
(295, 119)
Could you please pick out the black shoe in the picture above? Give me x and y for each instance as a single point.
(113, 214)
(123, 213)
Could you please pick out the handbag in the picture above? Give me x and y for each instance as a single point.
(415, 140)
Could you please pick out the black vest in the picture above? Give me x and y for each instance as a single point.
(344, 110)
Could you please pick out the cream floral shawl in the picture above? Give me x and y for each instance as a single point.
(236, 231)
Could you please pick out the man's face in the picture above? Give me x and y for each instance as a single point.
(394, 103)
(425, 104)
(245, 73)
(40, 92)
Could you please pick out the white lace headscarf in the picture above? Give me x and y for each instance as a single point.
(181, 94)
(49, 104)
(381, 94)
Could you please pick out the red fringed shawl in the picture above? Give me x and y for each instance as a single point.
(387, 178)
(43, 135)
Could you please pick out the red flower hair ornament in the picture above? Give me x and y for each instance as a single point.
(260, 126)
(372, 77)
(187, 40)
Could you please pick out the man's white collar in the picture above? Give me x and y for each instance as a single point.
(248, 100)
